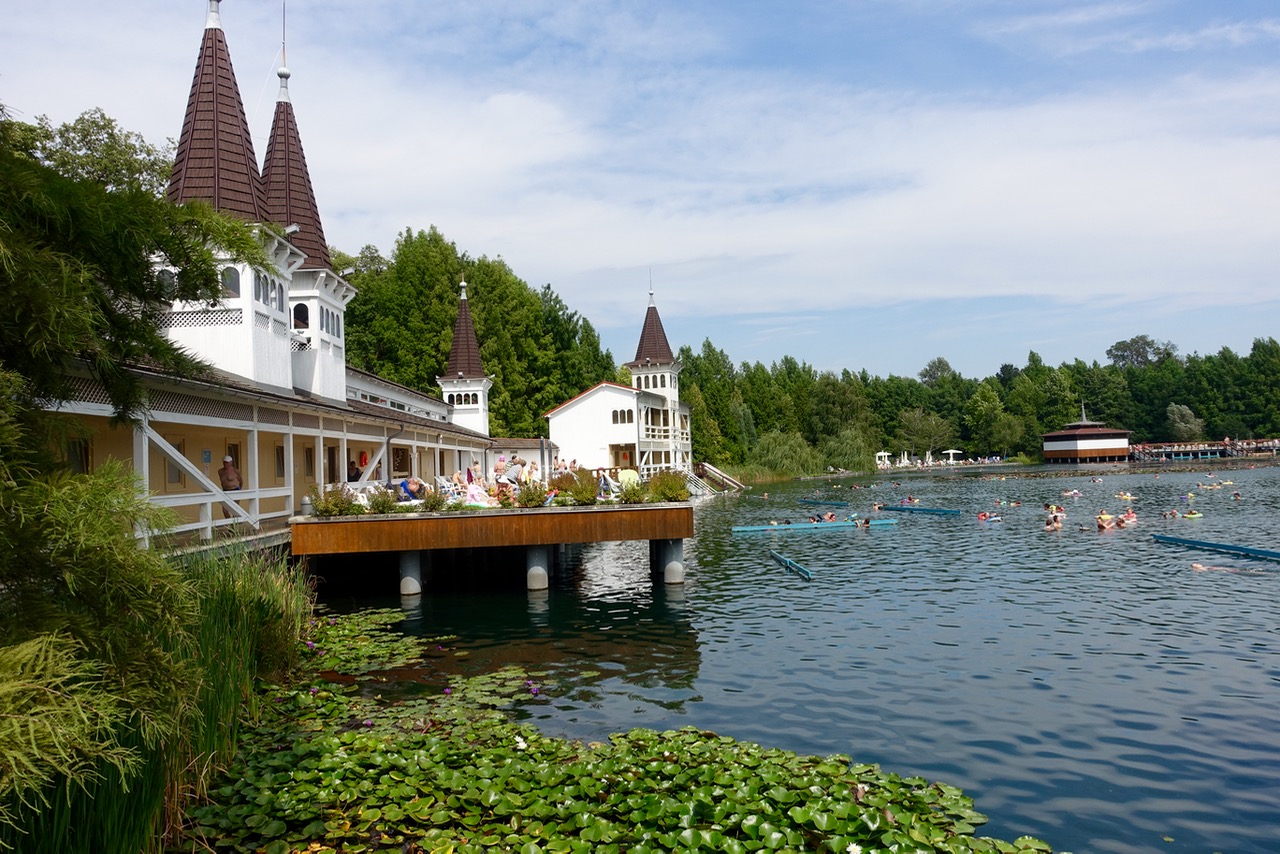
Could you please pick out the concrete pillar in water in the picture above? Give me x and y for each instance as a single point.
(536, 562)
(411, 573)
(668, 556)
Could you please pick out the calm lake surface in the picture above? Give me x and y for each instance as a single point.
(1091, 689)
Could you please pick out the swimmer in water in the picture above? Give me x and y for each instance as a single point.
(1200, 567)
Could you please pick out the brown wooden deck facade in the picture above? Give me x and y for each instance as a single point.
(485, 528)
(415, 535)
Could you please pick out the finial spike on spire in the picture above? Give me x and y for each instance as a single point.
(464, 287)
(214, 21)
(284, 74)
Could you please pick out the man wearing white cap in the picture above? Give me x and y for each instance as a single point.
(230, 480)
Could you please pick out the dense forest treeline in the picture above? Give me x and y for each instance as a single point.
(1145, 387)
(787, 416)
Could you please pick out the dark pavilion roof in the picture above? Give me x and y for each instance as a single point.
(215, 161)
(290, 199)
(653, 347)
(464, 354)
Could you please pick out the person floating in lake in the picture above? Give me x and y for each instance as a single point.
(1053, 523)
(1105, 520)
(1200, 567)
(830, 517)
(1236, 496)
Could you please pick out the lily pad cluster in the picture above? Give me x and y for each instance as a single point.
(331, 769)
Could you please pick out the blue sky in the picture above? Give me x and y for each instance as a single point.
(855, 184)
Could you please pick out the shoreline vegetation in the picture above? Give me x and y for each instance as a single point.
(332, 766)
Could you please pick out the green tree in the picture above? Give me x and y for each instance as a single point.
(1140, 352)
(787, 453)
(82, 279)
(1184, 426)
(849, 449)
(921, 432)
(981, 415)
(400, 326)
(95, 148)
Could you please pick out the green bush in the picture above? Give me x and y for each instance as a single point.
(433, 501)
(334, 500)
(633, 492)
(531, 494)
(668, 486)
(583, 488)
(382, 500)
(180, 648)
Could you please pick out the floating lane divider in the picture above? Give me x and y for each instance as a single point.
(823, 502)
(809, 526)
(912, 508)
(1247, 551)
(791, 566)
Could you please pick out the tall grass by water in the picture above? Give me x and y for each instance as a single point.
(246, 616)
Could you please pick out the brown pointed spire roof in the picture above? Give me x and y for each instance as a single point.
(653, 347)
(215, 161)
(290, 199)
(464, 355)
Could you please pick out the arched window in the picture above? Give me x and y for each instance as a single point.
(451, 400)
(258, 287)
(663, 380)
(280, 296)
(230, 282)
(631, 416)
(338, 325)
(615, 416)
(646, 382)
(301, 316)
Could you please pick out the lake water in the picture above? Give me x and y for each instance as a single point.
(1088, 688)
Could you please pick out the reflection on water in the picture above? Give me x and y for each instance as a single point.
(1088, 688)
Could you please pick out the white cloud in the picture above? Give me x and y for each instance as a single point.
(588, 144)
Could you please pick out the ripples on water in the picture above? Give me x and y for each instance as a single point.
(1089, 689)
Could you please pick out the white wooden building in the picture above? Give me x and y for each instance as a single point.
(643, 426)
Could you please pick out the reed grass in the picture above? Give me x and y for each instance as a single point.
(249, 612)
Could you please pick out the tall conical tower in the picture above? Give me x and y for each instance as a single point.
(655, 368)
(665, 440)
(465, 385)
(247, 333)
(215, 160)
(317, 295)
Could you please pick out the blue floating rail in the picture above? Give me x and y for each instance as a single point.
(1247, 551)
(796, 527)
(911, 508)
(791, 566)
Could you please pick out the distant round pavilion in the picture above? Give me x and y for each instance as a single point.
(1086, 441)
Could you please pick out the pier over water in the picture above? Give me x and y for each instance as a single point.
(415, 535)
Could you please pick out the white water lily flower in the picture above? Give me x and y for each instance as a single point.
(854, 848)
(520, 743)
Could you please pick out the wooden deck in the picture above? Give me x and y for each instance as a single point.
(541, 526)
